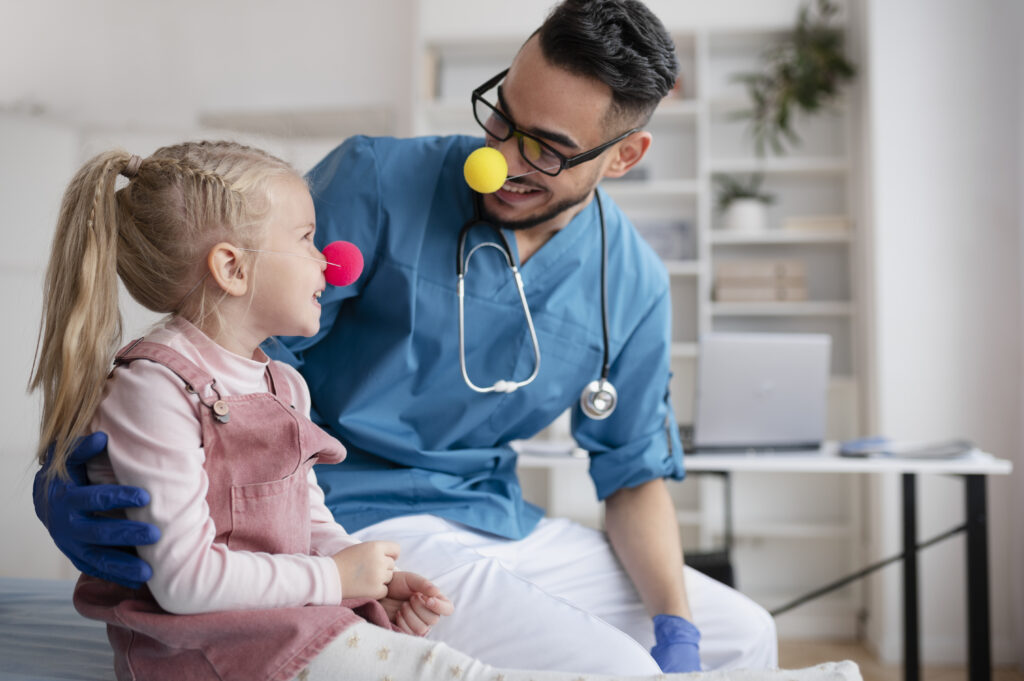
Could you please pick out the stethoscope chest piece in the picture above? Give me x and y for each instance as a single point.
(598, 399)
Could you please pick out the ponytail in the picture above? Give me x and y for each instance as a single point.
(154, 234)
(81, 323)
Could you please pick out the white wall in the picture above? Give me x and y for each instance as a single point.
(32, 155)
(450, 19)
(81, 77)
(155, 65)
(1017, 563)
(944, 121)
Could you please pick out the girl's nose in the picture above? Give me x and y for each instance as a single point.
(321, 258)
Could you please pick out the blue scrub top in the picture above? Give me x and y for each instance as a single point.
(383, 371)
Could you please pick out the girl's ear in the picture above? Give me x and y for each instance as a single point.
(225, 263)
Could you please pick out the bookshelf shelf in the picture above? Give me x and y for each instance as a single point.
(783, 309)
(779, 237)
(780, 166)
(684, 268)
(641, 189)
(684, 350)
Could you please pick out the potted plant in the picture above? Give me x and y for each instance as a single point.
(803, 71)
(742, 203)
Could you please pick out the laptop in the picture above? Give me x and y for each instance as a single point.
(761, 391)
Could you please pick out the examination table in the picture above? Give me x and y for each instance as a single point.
(43, 638)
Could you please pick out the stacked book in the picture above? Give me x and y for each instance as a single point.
(760, 281)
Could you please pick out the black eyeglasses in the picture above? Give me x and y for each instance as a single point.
(539, 154)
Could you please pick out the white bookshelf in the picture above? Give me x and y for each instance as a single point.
(670, 197)
(818, 308)
(789, 237)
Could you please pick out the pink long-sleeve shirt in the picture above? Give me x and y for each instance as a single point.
(155, 443)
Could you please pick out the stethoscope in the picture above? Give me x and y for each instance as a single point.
(598, 398)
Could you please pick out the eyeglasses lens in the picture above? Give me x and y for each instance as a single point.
(530, 148)
(491, 121)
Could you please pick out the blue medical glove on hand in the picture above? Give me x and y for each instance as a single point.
(67, 508)
(677, 642)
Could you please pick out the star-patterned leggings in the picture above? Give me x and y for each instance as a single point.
(370, 653)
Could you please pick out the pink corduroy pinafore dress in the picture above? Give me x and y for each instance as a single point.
(259, 450)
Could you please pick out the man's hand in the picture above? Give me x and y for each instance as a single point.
(677, 644)
(68, 509)
(414, 604)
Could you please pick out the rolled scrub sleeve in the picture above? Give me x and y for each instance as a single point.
(155, 443)
(640, 441)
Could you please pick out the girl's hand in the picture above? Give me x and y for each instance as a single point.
(418, 614)
(414, 604)
(366, 569)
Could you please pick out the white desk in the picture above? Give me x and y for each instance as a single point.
(974, 467)
(828, 461)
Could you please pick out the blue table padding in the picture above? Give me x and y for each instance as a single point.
(43, 638)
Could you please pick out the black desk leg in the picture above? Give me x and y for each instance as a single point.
(911, 637)
(979, 648)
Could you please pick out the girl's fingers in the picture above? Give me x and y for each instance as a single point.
(415, 621)
(439, 604)
(403, 626)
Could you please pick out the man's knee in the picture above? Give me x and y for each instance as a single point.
(736, 632)
(759, 642)
(751, 641)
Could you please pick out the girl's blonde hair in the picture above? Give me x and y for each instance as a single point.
(155, 234)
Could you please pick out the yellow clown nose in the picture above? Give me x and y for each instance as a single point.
(485, 170)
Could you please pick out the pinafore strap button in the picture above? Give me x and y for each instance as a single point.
(220, 411)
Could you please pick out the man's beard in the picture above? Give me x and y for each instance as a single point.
(527, 223)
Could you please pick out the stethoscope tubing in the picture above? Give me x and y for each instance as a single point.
(599, 387)
(500, 386)
(604, 288)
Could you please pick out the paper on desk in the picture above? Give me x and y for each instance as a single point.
(884, 447)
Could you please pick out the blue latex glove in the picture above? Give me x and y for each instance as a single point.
(67, 508)
(677, 642)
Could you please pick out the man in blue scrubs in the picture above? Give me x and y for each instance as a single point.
(429, 464)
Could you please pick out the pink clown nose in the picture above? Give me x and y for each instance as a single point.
(345, 263)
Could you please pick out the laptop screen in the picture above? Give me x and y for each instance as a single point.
(761, 391)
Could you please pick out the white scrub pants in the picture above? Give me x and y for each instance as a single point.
(560, 600)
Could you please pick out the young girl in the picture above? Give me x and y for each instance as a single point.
(252, 577)
(217, 434)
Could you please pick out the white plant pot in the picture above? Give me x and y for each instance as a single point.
(746, 215)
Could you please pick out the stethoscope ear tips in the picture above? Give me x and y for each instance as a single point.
(599, 399)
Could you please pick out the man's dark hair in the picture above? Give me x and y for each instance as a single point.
(618, 42)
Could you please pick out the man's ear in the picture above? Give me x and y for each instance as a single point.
(225, 264)
(628, 153)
